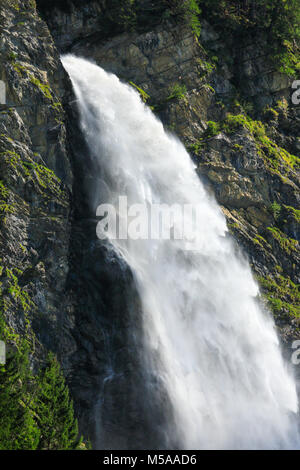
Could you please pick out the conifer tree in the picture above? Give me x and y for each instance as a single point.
(54, 410)
(18, 430)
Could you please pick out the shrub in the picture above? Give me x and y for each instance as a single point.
(213, 128)
(275, 210)
(177, 92)
(189, 10)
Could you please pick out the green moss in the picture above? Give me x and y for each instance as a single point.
(282, 106)
(43, 87)
(270, 114)
(238, 147)
(294, 212)
(234, 122)
(256, 241)
(233, 227)
(32, 171)
(45, 177)
(15, 4)
(47, 93)
(57, 106)
(23, 248)
(6, 209)
(281, 294)
(287, 244)
(209, 88)
(7, 138)
(4, 191)
(7, 332)
(15, 291)
(274, 156)
(20, 69)
(259, 240)
(289, 60)
(5, 206)
(14, 299)
(11, 157)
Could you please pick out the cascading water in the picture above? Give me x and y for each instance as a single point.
(206, 335)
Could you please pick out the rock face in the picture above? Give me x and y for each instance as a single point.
(36, 180)
(59, 284)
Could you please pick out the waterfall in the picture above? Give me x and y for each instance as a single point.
(207, 337)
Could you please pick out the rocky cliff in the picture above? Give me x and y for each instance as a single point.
(230, 106)
(36, 178)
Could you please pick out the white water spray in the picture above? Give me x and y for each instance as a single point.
(213, 346)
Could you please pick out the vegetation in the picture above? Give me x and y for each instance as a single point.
(295, 213)
(270, 114)
(177, 92)
(18, 429)
(196, 148)
(189, 10)
(5, 206)
(275, 157)
(281, 294)
(14, 4)
(192, 13)
(206, 67)
(127, 15)
(261, 241)
(29, 405)
(213, 128)
(54, 410)
(45, 179)
(287, 244)
(279, 20)
(15, 298)
(145, 97)
(35, 412)
(122, 14)
(44, 88)
(275, 210)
